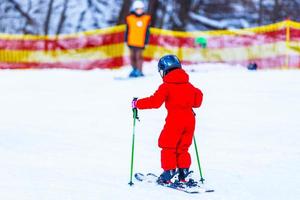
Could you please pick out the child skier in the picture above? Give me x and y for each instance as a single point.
(180, 96)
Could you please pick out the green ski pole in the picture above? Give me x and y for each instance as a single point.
(135, 116)
(198, 160)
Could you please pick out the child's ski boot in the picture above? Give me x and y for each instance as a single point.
(185, 179)
(166, 177)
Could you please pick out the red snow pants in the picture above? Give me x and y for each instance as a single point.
(176, 138)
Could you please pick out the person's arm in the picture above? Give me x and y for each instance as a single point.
(126, 33)
(198, 98)
(147, 39)
(147, 35)
(155, 100)
(126, 30)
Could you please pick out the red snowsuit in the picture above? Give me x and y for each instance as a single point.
(180, 97)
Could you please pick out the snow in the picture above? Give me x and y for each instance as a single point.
(221, 24)
(67, 134)
(207, 21)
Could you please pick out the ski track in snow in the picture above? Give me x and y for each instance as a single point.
(66, 135)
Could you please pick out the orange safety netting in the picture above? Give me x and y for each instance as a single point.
(272, 46)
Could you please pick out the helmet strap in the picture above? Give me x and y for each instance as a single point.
(161, 72)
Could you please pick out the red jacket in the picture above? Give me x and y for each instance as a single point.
(177, 93)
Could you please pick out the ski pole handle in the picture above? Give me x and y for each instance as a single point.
(134, 108)
(133, 103)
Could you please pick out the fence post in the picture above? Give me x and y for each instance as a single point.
(287, 43)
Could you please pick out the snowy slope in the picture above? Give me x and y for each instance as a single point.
(67, 134)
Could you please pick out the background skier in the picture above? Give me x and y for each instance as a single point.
(137, 36)
(180, 96)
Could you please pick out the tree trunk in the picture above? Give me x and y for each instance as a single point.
(276, 11)
(47, 23)
(124, 11)
(196, 7)
(260, 16)
(22, 12)
(62, 17)
(48, 17)
(160, 20)
(80, 21)
(182, 15)
(152, 8)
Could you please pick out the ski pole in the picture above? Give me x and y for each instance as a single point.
(135, 116)
(198, 160)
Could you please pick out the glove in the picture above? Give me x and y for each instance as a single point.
(133, 103)
(134, 108)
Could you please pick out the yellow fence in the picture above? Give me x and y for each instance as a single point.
(272, 46)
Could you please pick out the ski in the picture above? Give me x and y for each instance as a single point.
(151, 178)
(120, 78)
(124, 78)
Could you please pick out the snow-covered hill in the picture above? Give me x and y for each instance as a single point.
(67, 134)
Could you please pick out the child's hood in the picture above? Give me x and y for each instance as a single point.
(177, 76)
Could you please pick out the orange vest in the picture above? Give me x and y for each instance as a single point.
(137, 28)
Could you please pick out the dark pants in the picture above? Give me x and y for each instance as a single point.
(136, 57)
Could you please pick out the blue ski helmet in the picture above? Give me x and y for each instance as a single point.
(168, 63)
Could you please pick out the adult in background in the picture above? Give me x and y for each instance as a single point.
(137, 36)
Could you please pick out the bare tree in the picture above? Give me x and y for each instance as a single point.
(161, 12)
(22, 12)
(48, 17)
(260, 15)
(62, 17)
(196, 6)
(276, 11)
(80, 21)
(181, 17)
(24, 28)
(124, 11)
(152, 7)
